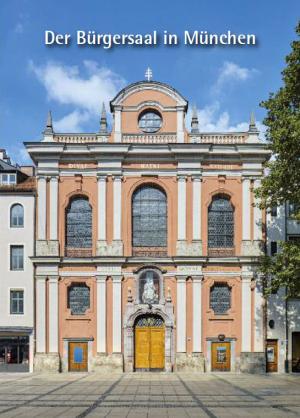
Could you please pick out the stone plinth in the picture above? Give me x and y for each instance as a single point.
(107, 363)
(252, 362)
(47, 248)
(193, 249)
(193, 362)
(46, 363)
(113, 249)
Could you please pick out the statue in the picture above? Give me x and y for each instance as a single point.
(149, 293)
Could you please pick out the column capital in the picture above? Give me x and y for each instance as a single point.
(54, 177)
(40, 177)
(117, 278)
(197, 178)
(101, 279)
(181, 177)
(117, 177)
(41, 278)
(101, 177)
(53, 279)
(244, 178)
(197, 279)
(181, 279)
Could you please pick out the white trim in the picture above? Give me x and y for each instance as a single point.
(41, 206)
(197, 314)
(53, 208)
(246, 314)
(41, 314)
(257, 212)
(53, 314)
(101, 314)
(246, 209)
(181, 315)
(117, 314)
(196, 208)
(117, 202)
(181, 202)
(101, 208)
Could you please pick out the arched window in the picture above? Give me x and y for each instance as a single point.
(220, 298)
(149, 221)
(220, 224)
(17, 216)
(79, 228)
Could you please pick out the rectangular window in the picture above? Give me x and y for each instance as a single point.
(4, 179)
(16, 257)
(17, 302)
(7, 179)
(274, 211)
(294, 238)
(293, 209)
(273, 248)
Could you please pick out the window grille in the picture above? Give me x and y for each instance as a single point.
(79, 224)
(220, 224)
(149, 321)
(220, 298)
(149, 217)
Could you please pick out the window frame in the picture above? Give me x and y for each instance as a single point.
(138, 233)
(220, 284)
(148, 130)
(11, 247)
(22, 291)
(211, 232)
(11, 215)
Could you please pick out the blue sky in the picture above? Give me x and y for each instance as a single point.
(225, 83)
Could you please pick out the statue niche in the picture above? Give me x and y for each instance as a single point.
(149, 287)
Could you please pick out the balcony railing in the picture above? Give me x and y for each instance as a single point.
(149, 138)
(78, 252)
(221, 252)
(149, 251)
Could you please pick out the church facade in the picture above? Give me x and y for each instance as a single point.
(147, 242)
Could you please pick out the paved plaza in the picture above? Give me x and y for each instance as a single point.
(149, 395)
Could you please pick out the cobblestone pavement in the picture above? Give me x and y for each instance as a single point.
(149, 395)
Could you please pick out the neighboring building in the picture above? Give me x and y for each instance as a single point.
(147, 242)
(17, 206)
(283, 316)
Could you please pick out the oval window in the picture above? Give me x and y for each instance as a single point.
(150, 121)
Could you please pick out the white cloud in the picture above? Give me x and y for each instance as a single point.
(212, 119)
(231, 73)
(86, 90)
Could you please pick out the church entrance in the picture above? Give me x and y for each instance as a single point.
(149, 343)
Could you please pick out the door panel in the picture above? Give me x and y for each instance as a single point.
(221, 356)
(149, 348)
(78, 357)
(142, 348)
(296, 352)
(272, 357)
(157, 348)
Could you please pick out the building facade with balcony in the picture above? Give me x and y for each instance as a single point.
(147, 242)
(17, 208)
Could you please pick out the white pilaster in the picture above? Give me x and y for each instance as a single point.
(41, 186)
(102, 208)
(180, 125)
(53, 207)
(41, 314)
(246, 311)
(117, 193)
(101, 314)
(181, 208)
(246, 221)
(181, 315)
(257, 233)
(53, 314)
(117, 124)
(117, 314)
(259, 318)
(196, 208)
(197, 314)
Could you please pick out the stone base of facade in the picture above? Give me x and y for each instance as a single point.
(193, 362)
(192, 249)
(113, 249)
(253, 363)
(46, 248)
(252, 248)
(46, 363)
(107, 363)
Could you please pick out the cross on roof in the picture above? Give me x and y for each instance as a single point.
(148, 74)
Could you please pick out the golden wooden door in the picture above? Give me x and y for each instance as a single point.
(78, 355)
(220, 356)
(272, 356)
(149, 348)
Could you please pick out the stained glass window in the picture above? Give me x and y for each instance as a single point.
(149, 217)
(220, 223)
(150, 121)
(79, 224)
(78, 298)
(149, 321)
(220, 298)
